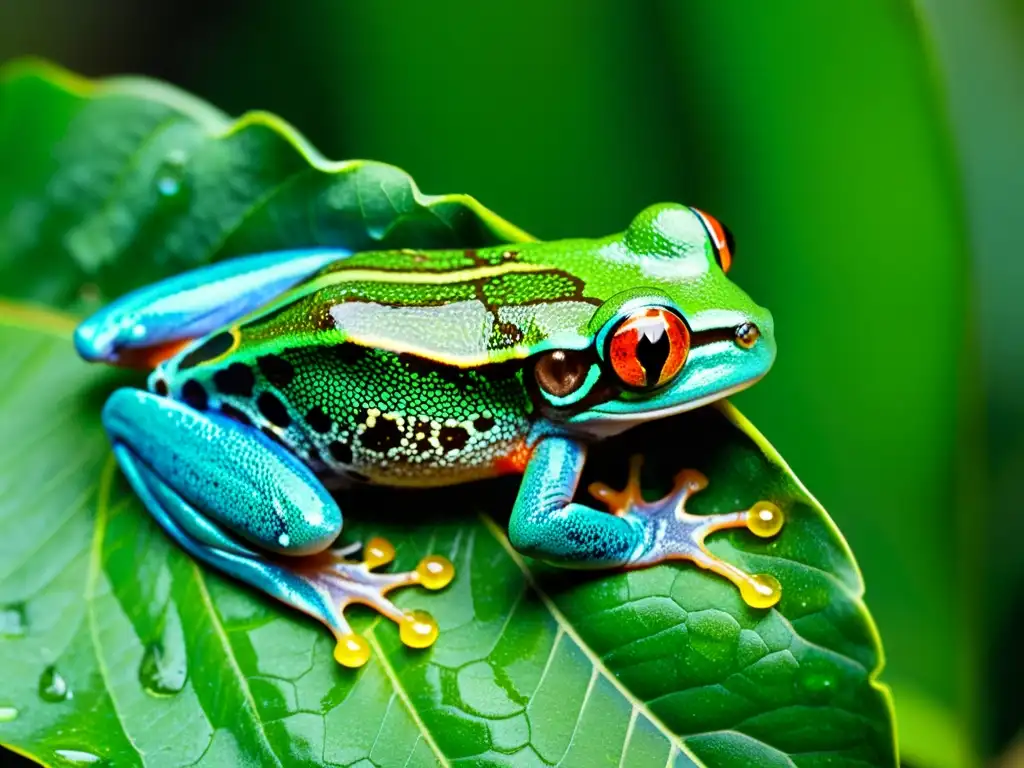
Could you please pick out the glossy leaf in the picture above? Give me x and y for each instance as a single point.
(117, 645)
(833, 162)
(114, 183)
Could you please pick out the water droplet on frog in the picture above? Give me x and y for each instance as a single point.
(170, 175)
(7, 714)
(53, 686)
(12, 620)
(161, 674)
(78, 757)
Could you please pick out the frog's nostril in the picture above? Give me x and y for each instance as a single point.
(747, 335)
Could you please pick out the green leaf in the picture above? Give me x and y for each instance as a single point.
(115, 644)
(832, 161)
(110, 184)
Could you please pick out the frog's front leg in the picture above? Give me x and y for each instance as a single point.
(236, 500)
(547, 524)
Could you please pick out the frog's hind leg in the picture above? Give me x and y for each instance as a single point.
(237, 501)
(150, 324)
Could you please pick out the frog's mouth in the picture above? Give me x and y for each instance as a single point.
(602, 425)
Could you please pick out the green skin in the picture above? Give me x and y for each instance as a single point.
(416, 368)
(419, 361)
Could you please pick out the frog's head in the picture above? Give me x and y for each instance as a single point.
(682, 335)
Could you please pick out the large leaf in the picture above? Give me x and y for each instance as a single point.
(110, 184)
(116, 645)
(818, 132)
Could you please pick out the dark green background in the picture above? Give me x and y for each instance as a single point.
(869, 157)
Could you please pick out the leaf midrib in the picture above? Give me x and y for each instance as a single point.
(565, 627)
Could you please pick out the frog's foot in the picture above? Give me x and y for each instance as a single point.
(671, 533)
(343, 581)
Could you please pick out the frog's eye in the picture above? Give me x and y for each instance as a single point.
(721, 238)
(648, 348)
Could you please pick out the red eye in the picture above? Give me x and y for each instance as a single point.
(649, 348)
(721, 238)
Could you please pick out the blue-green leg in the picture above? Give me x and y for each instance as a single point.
(194, 303)
(237, 501)
(546, 523)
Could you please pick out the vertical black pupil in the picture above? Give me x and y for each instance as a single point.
(652, 355)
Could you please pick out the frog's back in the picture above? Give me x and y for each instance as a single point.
(400, 367)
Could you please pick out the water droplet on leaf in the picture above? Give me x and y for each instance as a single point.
(7, 714)
(12, 620)
(817, 682)
(160, 673)
(78, 757)
(53, 686)
(170, 175)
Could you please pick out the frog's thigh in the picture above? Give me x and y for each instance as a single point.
(194, 303)
(547, 524)
(200, 467)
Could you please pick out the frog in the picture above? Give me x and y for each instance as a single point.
(276, 380)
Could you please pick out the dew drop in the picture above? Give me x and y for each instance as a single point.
(12, 620)
(160, 673)
(7, 714)
(818, 683)
(170, 175)
(78, 757)
(53, 686)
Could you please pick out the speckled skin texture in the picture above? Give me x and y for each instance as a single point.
(366, 414)
(277, 371)
(546, 522)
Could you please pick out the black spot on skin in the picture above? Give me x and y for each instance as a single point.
(160, 387)
(323, 321)
(427, 368)
(215, 346)
(236, 379)
(192, 392)
(483, 424)
(279, 372)
(422, 444)
(273, 436)
(314, 455)
(510, 332)
(453, 438)
(340, 452)
(318, 420)
(233, 413)
(349, 354)
(384, 434)
(273, 410)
